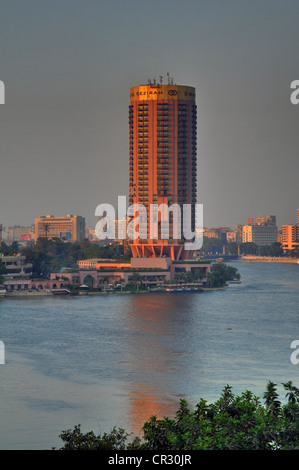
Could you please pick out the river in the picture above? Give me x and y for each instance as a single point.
(115, 360)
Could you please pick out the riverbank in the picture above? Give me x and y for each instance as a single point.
(27, 294)
(268, 259)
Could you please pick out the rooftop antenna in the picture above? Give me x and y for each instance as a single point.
(161, 79)
(168, 79)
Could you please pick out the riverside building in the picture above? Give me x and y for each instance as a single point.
(163, 162)
(163, 171)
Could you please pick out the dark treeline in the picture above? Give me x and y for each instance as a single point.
(51, 255)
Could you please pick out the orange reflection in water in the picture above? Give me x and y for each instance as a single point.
(146, 401)
(153, 322)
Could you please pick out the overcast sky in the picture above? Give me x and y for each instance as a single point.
(68, 66)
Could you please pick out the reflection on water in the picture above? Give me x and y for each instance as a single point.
(119, 359)
(155, 354)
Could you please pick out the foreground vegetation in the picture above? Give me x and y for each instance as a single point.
(234, 422)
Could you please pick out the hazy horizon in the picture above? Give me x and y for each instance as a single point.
(68, 67)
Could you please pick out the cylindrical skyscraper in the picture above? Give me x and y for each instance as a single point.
(163, 162)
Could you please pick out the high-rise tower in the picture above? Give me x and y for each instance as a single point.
(163, 162)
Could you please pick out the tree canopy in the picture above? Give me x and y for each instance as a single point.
(51, 255)
(233, 422)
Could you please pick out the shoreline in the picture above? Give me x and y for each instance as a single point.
(268, 259)
(49, 294)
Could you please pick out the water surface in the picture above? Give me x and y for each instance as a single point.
(118, 359)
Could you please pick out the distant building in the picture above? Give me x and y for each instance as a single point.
(231, 237)
(290, 236)
(290, 239)
(18, 233)
(239, 232)
(90, 233)
(121, 226)
(263, 232)
(68, 228)
(217, 232)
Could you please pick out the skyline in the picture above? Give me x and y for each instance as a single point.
(64, 128)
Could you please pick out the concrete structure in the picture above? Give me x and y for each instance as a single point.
(16, 266)
(290, 236)
(219, 232)
(69, 228)
(163, 164)
(263, 232)
(120, 229)
(151, 271)
(259, 234)
(290, 239)
(18, 233)
(35, 285)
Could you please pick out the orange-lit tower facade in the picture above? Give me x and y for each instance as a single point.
(163, 159)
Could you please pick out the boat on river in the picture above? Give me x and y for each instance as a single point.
(61, 291)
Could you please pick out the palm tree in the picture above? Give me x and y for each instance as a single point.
(105, 279)
(137, 280)
(122, 283)
(293, 392)
(272, 404)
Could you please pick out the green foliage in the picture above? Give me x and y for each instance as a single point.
(233, 422)
(2, 271)
(273, 250)
(50, 255)
(9, 250)
(76, 440)
(189, 276)
(249, 248)
(221, 273)
(212, 246)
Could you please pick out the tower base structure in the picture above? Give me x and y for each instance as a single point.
(175, 252)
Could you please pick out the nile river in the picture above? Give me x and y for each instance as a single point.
(115, 360)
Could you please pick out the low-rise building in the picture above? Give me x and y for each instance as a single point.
(151, 271)
(16, 266)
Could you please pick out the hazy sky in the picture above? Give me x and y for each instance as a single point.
(68, 66)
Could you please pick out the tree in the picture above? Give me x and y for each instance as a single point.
(233, 422)
(249, 248)
(273, 250)
(2, 271)
(137, 280)
(212, 246)
(9, 250)
(221, 273)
